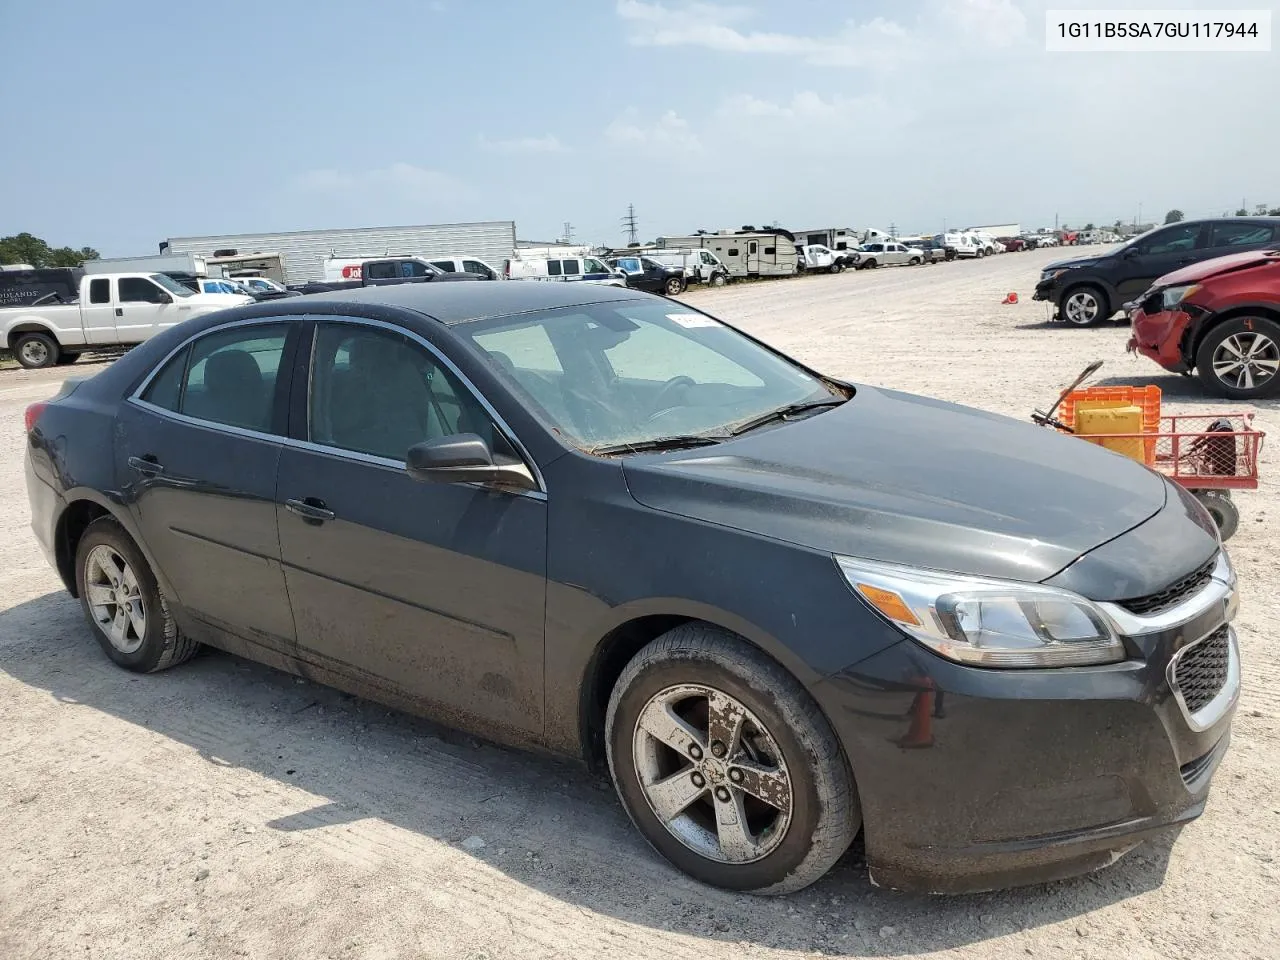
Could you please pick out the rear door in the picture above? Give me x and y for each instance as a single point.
(98, 311)
(197, 449)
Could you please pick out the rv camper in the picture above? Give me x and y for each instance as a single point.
(746, 253)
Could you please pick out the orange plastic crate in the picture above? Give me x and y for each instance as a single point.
(1148, 398)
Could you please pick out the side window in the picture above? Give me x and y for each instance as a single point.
(770, 250)
(571, 268)
(412, 268)
(1239, 234)
(384, 270)
(140, 290)
(227, 377)
(1181, 237)
(100, 290)
(591, 265)
(445, 265)
(553, 268)
(475, 266)
(378, 392)
(733, 251)
(707, 258)
(751, 246)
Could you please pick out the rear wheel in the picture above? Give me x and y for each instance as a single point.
(123, 603)
(674, 285)
(1084, 306)
(727, 766)
(1240, 358)
(36, 350)
(870, 265)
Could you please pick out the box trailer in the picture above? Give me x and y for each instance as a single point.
(746, 253)
(171, 264)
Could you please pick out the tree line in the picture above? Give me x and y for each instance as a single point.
(27, 248)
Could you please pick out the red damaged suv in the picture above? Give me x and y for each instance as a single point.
(1220, 318)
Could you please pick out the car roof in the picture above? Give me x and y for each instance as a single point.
(456, 302)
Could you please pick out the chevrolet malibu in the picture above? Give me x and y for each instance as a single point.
(777, 608)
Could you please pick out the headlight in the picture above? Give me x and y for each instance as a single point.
(1052, 274)
(1172, 296)
(989, 623)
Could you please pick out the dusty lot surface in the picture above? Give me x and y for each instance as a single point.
(225, 810)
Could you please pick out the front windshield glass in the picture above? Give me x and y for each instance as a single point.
(629, 372)
(172, 285)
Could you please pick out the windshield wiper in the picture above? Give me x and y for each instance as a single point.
(660, 443)
(784, 413)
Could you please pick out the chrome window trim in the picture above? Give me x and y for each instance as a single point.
(1221, 589)
(136, 398)
(1224, 700)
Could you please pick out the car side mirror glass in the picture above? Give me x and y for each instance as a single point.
(465, 458)
(1130, 253)
(163, 297)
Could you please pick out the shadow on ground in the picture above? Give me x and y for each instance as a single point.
(546, 823)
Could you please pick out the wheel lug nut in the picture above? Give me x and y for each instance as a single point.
(717, 748)
(699, 780)
(722, 794)
(735, 775)
(695, 751)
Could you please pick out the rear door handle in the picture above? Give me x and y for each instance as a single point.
(119, 312)
(146, 465)
(311, 509)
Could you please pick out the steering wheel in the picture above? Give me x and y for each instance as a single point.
(661, 403)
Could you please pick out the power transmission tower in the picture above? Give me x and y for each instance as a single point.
(629, 224)
(568, 232)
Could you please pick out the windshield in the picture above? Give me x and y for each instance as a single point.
(630, 372)
(172, 285)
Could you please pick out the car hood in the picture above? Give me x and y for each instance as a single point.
(906, 479)
(1218, 265)
(1071, 263)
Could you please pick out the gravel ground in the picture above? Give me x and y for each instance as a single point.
(226, 810)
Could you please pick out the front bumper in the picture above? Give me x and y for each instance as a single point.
(977, 779)
(1159, 336)
(1046, 290)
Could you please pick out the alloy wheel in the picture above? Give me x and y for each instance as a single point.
(115, 598)
(1246, 360)
(712, 774)
(1081, 308)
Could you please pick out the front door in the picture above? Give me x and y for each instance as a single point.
(143, 309)
(753, 256)
(435, 592)
(196, 457)
(1163, 252)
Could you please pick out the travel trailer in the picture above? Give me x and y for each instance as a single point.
(746, 253)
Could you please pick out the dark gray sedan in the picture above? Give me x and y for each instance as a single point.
(778, 608)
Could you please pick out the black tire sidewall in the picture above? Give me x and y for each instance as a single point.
(1223, 510)
(806, 808)
(1210, 343)
(50, 344)
(159, 636)
(1099, 297)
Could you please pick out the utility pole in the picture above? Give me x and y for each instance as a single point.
(1055, 223)
(629, 224)
(1139, 223)
(893, 229)
(568, 232)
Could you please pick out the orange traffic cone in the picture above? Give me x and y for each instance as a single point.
(920, 733)
(1011, 297)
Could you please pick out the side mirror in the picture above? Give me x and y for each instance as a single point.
(465, 458)
(163, 296)
(1130, 253)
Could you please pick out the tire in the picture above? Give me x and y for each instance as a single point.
(158, 644)
(1084, 306)
(36, 350)
(1223, 510)
(674, 286)
(980, 254)
(784, 848)
(718, 280)
(913, 262)
(870, 265)
(1252, 339)
(837, 268)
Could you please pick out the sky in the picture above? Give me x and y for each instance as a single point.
(133, 121)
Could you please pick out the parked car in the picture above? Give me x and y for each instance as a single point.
(466, 265)
(577, 269)
(220, 287)
(817, 258)
(1012, 244)
(699, 266)
(645, 273)
(264, 288)
(1220, 318)
(1090, 289)
(931, 252)
(387, 271)
(579, 518)
(887, 254)
(111, 310)
(964, 244)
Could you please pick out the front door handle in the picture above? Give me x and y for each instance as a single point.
(311, 509)
(146, 465)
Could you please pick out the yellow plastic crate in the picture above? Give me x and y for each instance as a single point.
(1107, 418)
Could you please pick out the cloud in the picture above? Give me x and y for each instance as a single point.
(544, 144)
(668, 133)
(403, 180)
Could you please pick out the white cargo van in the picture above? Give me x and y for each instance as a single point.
(581, 269)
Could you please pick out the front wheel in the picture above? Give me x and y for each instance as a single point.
(1240, 358)
(870, 265)
(1223, 510)
(913, 262)
(727, 766)
(36, 350)
(1084, 306)
(674, 285)
(718, 280)
(837, 268)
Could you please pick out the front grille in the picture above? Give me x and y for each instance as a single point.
(1174, 593)
(1201, 671)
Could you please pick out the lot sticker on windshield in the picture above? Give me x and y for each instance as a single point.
(691, 320)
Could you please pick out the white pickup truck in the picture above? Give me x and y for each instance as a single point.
(112, 310)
